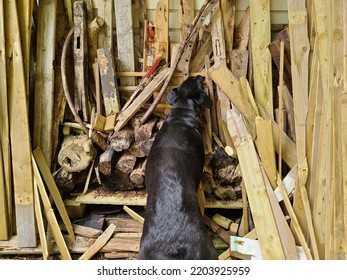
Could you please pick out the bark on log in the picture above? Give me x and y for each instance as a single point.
(122, 139)
(126, 162)
(105, 161)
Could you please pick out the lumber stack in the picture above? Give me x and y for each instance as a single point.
(275, 138)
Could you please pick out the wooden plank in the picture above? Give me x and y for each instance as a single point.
(19, 131)
(105, 11)
(139, 198)
(299, 46)
(5, 166)
(40, 223)
(125, 39)
(185, 16)
(53, 189)
(228, 16)
(108, 81)
(344, 125)
(134, 215)
(80, 50)
(266, 148)
(51, 218)
(269, 239)
(131, 110)
(161, 25)
(261, 38)
(44, 78)
(99, 243)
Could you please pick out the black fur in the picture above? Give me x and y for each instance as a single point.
(174, 227)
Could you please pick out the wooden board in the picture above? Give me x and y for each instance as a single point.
(125, 40)
(161, 25)
(261, 38)
(185, 16)
(269, 239)
(44, 78)
(108, 81)
(19, 131)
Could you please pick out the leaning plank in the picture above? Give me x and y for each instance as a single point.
(228, 16)
(51, 218)
(299, 46)
(134, 215)
(261, 38)
(99, 243)
(40, 223)
(344, 128)
(125, 39)
(185, 15)
(269, 239)
(5, 158)
(44, 78)
(19, 131)
(53, 189)
(131, 110)
(108, 81)
(105, 11)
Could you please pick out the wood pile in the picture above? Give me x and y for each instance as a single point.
(84, 96)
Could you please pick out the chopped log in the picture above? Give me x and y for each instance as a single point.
(76, 153)
(136, 149)
(117, 181)
(108, 81)
(144, 132)
(126, 162)
(106, 161)
(137, 176)
(65, 181)
(122, 139)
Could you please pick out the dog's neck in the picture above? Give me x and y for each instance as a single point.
(185, 112)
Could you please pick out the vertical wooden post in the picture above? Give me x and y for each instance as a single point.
(19, 131)
(125, 40)
(261, 38)
(161, 24)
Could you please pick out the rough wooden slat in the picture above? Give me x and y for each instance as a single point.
(161, 24)
(5, 153)
(99, 243)
(80, 50)
(108, 81)
(261, 38)
(125, 39)
(44, 79)
(51, 218)
(299, 46)
(185, 15)
(267, 231)
(19, 130)
(344, 125)
(228, 16)
(53, 189)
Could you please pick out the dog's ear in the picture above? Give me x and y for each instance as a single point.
(172, 97)
(204, 100)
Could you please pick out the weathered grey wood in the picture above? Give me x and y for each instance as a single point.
(108, 81)
(125, 39)
(80, 47)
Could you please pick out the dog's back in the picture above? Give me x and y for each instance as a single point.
(174, 228)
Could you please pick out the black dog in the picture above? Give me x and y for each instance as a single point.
(174, 227)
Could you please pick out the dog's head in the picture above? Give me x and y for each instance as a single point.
(192, 88)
